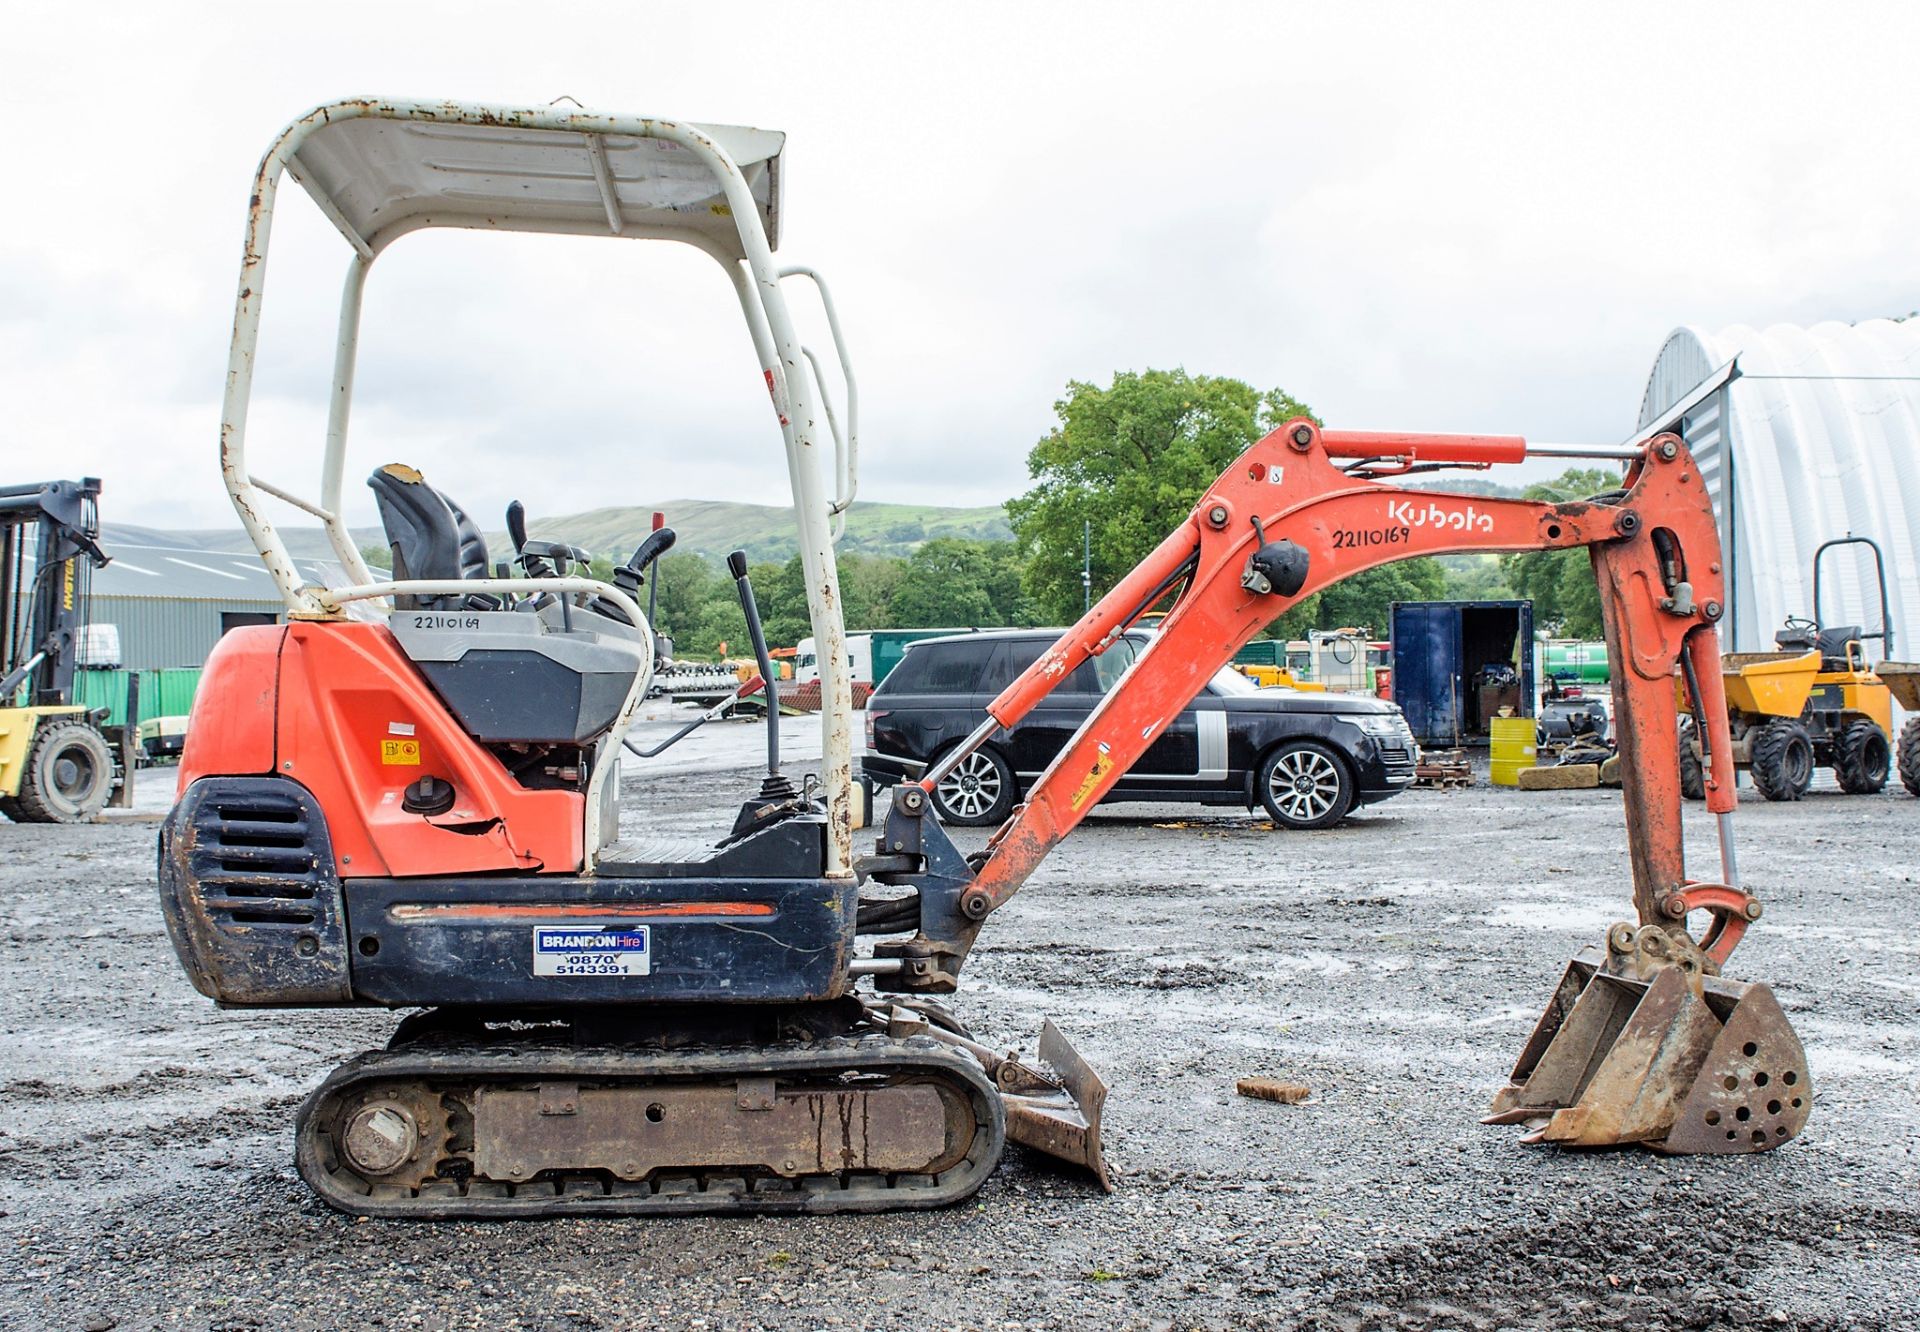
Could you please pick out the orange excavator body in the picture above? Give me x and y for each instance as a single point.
(339, 709)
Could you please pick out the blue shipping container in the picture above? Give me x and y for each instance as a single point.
(1441, 654)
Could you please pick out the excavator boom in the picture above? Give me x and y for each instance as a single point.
(1286, 521)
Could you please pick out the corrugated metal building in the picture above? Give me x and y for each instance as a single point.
(1818, 437)
(171, 605)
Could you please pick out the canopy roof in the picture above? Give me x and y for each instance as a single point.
(381, 170)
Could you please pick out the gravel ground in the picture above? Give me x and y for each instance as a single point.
(1394, 964)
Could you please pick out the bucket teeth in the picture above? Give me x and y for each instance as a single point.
(1678, 1062)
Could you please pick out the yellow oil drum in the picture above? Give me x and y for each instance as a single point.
(1513, 748)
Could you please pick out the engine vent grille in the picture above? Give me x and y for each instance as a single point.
(255, 856)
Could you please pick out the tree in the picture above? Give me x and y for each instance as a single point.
(1363, 600)
(960, 583)
(1128, 462)
(1560, 583)
(687, 590)
(868, 586)
(1476, 578)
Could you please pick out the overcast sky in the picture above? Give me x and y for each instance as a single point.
(1432, 217)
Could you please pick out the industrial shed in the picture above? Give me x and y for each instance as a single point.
(171, 605)
(1817, 437)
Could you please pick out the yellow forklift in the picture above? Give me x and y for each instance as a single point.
(1815, 702)
(56, 763)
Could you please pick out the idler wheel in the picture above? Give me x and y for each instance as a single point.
(380, 1137)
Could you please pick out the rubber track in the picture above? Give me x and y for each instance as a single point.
(453, 1068)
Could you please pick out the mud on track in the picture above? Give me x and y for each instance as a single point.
(1394, 964)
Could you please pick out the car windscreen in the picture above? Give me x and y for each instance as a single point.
(1229, 681)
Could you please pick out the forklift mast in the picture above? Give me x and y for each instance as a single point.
(49, 548)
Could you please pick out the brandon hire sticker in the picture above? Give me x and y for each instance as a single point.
(591, 950)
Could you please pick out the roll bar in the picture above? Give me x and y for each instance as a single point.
(383, 168)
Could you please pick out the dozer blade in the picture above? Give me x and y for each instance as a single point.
(1063, 1119)
(1677, 1061)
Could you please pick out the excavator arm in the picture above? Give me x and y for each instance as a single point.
(1285, 522)
(1620, 1054)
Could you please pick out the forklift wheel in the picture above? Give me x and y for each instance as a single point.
(1861, 757)
(68, 775)
(1782, 764)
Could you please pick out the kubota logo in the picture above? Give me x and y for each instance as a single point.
(1409, 514)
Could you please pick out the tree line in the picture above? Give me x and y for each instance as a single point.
(1123, 465)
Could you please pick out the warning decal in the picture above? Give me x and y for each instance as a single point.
(1101, 767)
(403, 752)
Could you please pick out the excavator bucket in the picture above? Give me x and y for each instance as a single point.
(1675, 1060)
(1057, 1115)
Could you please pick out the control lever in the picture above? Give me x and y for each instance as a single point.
(630, 575)
(517, 526)
(653, 588)
(558, 552)
(517, 533)
(737, 566)
(777, 798)
(720, 709)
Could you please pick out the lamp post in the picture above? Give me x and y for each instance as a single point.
(1086, 565)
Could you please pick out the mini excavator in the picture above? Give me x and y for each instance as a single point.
(418, 810)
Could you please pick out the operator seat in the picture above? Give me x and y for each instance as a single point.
(1833, 646)
(430, 537)
(557, 676)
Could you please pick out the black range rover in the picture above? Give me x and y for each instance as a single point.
(1308, 757)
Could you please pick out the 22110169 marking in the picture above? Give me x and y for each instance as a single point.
(1353, 539)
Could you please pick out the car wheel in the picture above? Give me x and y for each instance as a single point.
(1305, 785)
(979, 791)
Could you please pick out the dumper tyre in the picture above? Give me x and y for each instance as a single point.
(67, 777)
(1910, 756)
(1693, 775)
(1782, 759)
(1305, 785)
(1861, 758)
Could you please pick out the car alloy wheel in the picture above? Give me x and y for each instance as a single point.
(1306, 786)
(976, 791)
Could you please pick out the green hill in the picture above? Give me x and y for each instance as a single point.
(765, 531)
(710, 527)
